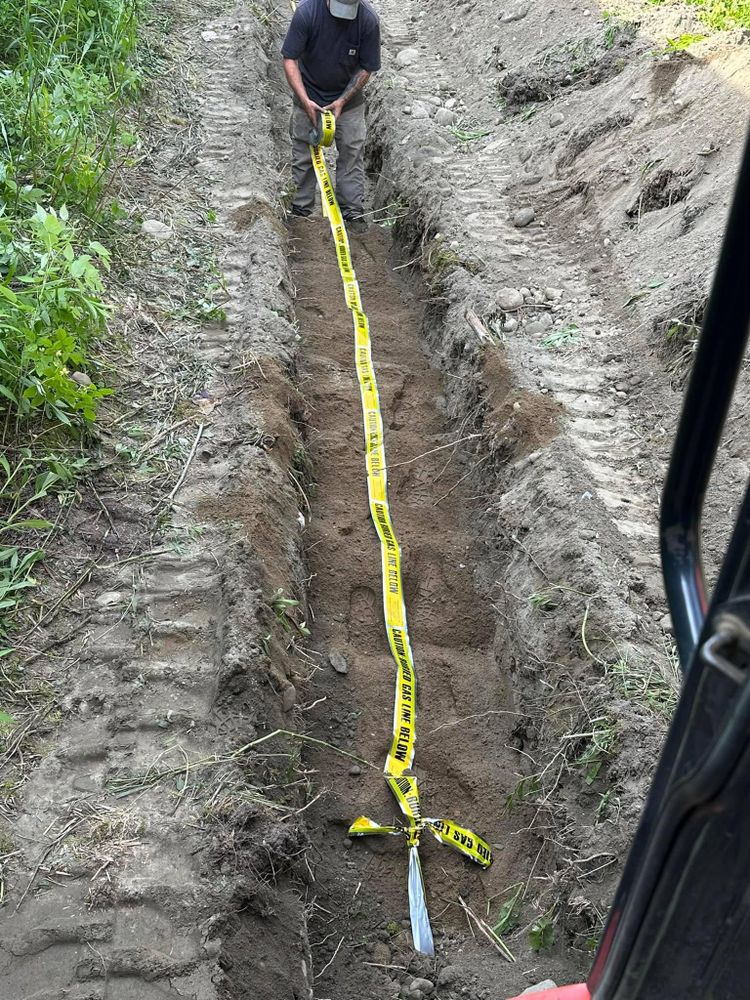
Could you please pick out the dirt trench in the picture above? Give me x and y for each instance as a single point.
(359, 914)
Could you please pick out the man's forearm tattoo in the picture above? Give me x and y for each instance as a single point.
(356, 84)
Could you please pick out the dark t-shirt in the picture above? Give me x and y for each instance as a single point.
(330, 50)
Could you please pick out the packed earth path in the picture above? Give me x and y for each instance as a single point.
(203, 702)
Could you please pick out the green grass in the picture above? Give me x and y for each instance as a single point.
(599, 745)
(640, 681)
(67, 70)
(721, 15)
(566, 336)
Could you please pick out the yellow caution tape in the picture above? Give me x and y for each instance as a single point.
(398, 766)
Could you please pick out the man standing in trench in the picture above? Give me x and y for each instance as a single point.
(330, 51)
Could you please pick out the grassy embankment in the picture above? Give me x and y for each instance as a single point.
(67, 70)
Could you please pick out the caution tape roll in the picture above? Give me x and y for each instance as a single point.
(400, 759)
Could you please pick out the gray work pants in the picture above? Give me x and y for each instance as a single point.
(350, 165)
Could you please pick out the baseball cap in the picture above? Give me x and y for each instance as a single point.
(344, 8)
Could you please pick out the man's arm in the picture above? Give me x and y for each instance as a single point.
(294, 78)
(354, 87)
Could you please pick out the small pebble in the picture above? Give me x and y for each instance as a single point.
(523, 217)
(424, 986)
(407, 57)
(338, 662)
(288, 698)
(447, 976)
(158, 230)
(444, 116)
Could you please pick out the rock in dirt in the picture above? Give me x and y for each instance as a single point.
(448, 976)
(523, 217)
(420, 110)
(540, 987)
(288, 698)
(355, 771)
(553, 294)
(338, 662)
(209, 36)
(509, 298)
(514, 15)
(81, 378)
(539, 325)
(158, 230)
(84, 783)
(423, 986)
(381, 953)
(556, 119)
(407, 57)
(109, 598)
(444, 116)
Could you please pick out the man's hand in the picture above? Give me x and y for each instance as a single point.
(312, 110)
(336, 107)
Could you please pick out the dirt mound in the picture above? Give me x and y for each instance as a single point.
(580, 62)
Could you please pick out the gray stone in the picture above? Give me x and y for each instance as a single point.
(514, 15)
(80, 378)
(540, 987)
(407, 57)
(552, 294)
(509, 298)
(338, 662)
(381, 953)
(556, 119)
(523, 217)
(355, 771)
(510, 324)
(450, 103)
(430, 99)
(448, 976)
(158, 230)
(209, 36)
(539, 325)
(109, 598)
(444, 116)
(83, 783)
(424, 986)
(420, 110)
(288, 698)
